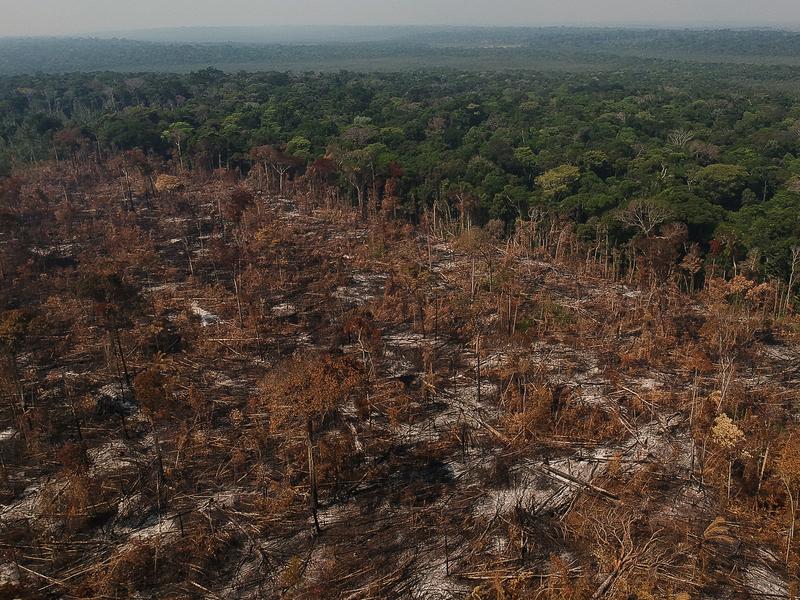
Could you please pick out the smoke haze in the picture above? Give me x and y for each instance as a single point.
(76, 17)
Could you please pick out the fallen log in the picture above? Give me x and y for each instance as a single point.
(580, 482)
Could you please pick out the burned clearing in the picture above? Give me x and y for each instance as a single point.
(216, 391)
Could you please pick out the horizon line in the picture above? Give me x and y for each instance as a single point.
(653, 25)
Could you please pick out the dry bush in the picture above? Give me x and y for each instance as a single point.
(168, 183)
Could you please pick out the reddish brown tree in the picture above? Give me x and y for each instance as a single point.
(299, 395)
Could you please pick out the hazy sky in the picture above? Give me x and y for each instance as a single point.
(46, 17)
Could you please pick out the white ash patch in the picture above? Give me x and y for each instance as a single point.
(584, 465)
(491, 361)
(628, 292)
(57, 375)
(35, 505)
(467, 394)
(397, 365)
(24, 506)
(654, 442)
(337, 514)
(433, 583)
(348, 409)
(206, 318)
(224, 499)
(62, 249)
(210, 236)
(303, 339)
(352, 294)
(593, 395)
(782, 353)
(425, 430)
(500, 502)
(284, 310)
(535, 488)
(110, 399)
(288, 207)
(161, 530)
(406, 340)
(9, 574)
(110, 457)
(646, 383)
(460, 407)
(164, 287)
(8, 434)
(531, 490)
(148, 441)
(282, 544)
(131, 506)
(111, 390)
(220, 379)
(369, 278)
(364, 287)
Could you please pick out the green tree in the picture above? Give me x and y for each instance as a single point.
(299, 147)
(720, 183)
(527, 160)
(134, 127)
(773, 227)
(178, 133)
(557, 183)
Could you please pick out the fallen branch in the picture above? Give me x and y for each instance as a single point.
(581, 482)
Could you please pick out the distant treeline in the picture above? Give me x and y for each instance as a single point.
(565, 49)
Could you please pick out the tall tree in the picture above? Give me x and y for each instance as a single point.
(178, 133)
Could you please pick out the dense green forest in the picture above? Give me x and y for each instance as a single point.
(713, 147)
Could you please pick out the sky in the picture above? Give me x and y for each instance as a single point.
(73, 17)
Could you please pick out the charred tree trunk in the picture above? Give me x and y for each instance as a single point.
(159, 457)
(478, 365)
(790, 534)
(312, 476)
(20, 401)
(118, 346)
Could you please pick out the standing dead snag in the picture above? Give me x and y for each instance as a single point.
(13, 331)
(154, 393)
(789, 473)
(298, 395)
(368, 338)
(795, 267)
(645, 215)
(476, 242)
(114, 301)
(277, 160)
